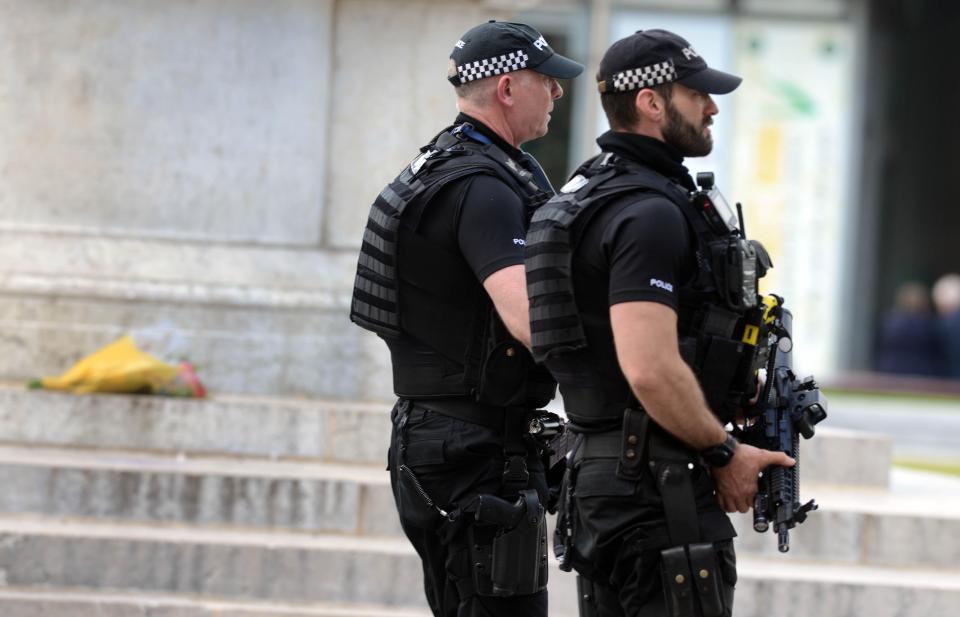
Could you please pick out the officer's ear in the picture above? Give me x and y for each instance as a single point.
(505, 89)
(650, 105)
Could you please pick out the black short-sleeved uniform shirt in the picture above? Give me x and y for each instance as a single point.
(479, 220)
(478, 217)
(637, 248)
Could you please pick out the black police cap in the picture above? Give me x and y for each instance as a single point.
(651, 57)
(499, 47)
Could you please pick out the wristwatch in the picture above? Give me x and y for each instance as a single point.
(720, 454)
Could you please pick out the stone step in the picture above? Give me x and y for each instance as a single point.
(255, 319)
(289, 568)
(244, 340)
(912, 525)
(235, 425)
(843, 457)
(768, 587)
(335, 431)
(74, 603)
(806, 590)
(139, 487)
(855, 526)
(298, 569)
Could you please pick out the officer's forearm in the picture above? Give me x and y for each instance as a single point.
(672, 396)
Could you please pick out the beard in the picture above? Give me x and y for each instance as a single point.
(687, 138)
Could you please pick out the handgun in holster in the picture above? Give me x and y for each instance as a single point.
(515, 563)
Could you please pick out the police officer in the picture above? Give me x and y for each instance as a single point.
(627, 310)
(441, 279)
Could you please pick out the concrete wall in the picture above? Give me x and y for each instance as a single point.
(180, 118)
(204, 168)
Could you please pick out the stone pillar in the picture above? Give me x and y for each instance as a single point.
(198, 173)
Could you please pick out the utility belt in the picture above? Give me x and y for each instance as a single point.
(508, 540)
(466, 409)
(511, 422)
(689, 568)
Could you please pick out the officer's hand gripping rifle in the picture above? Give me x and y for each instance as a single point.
(787, 409)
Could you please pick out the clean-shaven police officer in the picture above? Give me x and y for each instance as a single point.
(441, 279)
(626, 309)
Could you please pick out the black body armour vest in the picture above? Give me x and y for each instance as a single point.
(716, 305)
(404, 299)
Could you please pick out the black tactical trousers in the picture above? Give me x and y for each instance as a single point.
(619, 530)
(453, 460)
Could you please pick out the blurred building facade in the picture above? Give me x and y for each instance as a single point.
(199, 173)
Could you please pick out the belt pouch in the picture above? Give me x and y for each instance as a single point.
(520, 554)
(563, 532)
(566, 518)
(587, 597)
(677, 584)
(633, 443)
(706, 578)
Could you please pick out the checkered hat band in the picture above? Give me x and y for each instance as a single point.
(488, 67)
(644, 77)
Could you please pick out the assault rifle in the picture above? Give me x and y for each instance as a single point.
(787, 409)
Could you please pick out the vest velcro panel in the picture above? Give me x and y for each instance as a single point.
(375, 303)
(554, 321)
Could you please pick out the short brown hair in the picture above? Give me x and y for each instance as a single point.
(621, 107)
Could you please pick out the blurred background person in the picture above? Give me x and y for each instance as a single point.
(946, 297)
(910, 341)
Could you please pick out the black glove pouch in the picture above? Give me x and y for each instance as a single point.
(691, 581)
(508, 375)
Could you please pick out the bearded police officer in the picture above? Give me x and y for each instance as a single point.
(441, 280)
(626, 305)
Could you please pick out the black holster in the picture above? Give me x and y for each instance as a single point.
(515, 563)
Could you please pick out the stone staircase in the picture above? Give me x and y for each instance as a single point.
(240, 506)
